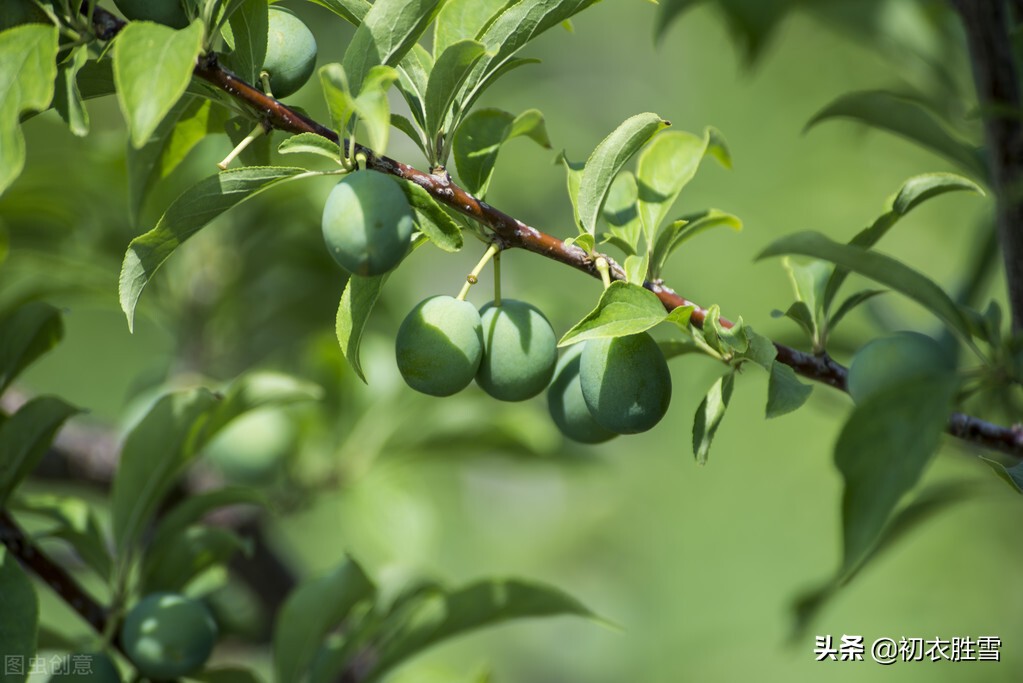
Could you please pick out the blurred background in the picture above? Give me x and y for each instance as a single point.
(698, 567)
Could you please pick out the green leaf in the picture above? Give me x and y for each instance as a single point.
(173, 564)
(74, 522)
(25, 335)
(357, 302)
(684, 229)
(153, 65)
(28, 56)
(250, 24)
(67, 98)
(146, 164)
(373, 107)
(186, 216)
(906, 117)
(257, 390)
(621, 214)
(852, 302)
(785, 393)
(431, 219)
(311, 143)
(414, 73)
(751, 23)
(449, 72)
(573, 175)
(19, 618)
(882, 451)
(437, 616)
(352, 11)
(257, 152)
(311, 612)
(623, 309)
(709, 415)
(878, 267)
(480, 137)
(406, 126)
(25, 437)
(387, 33)
(464, 19)
(607, 160)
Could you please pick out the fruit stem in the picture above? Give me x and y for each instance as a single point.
(604, 269)
(264, 78)
(497, 279)
(473, 277)
(256, 132)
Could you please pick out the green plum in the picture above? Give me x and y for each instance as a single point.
(89, 667)
(439, 346)
(253, 447)
(891, 360)
(169, 12)
(519, 351)
(566, 403)
(625, 382)
(167, 635)
(290, 52)
(367, 223)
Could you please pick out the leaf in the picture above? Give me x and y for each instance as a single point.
(25, 437)
(908, 118)
(352, 11)
(709, 415)
(751, 23)
(357, 302)
(440, 616)
(852, 302)
(153, 64)
(621, 214)
(607, 160)
(188, 214)
(878, 267)
(250, 23)
(479, 138)
(431, 218)
(785, 393)
(623, 309)
(449, 72)
(257, 151)
(25, 335)
(258, 390)
(311, 143)
(313, 610)
(373, 107)
(67, 98)
(388, 31)
(464, 19)
(413, 74)
(144, 163)
(882, 451)
(73, 522)
(684, 229)
(173, 564)
(19, 616)
(28, 56)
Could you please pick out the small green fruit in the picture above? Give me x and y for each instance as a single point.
(89, 667)
(566, 403)
(519, 351)
(891, 360)
(168, 12)
(290, 52)
(253, 447)
(439, 346)
(625, 382)
(167, 635)
(367, 223)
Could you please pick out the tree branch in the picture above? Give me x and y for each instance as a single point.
(997, 81)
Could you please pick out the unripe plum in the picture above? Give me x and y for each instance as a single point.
(439, 346)
(168, 12)
(625, 382)
(566, 403)
(519, 350)
(367, 223)
(89, 667)
(167, 635)
(891, 360)
(290, 52)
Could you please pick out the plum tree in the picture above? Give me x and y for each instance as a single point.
(566, 404)
(891, 360)
(519, 350)
(167, 635)
(89, 667)
(290, 52)
(367, 223)
(439, 346)
(625, 382)
(169, 12)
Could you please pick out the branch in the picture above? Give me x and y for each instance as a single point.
(997, 82)
(510, 232)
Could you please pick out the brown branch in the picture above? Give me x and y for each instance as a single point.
(997, 82)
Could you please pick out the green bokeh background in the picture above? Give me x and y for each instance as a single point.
(697, 567)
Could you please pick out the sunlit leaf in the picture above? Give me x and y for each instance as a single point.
(623, 309)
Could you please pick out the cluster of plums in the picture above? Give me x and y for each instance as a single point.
(290, 47)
